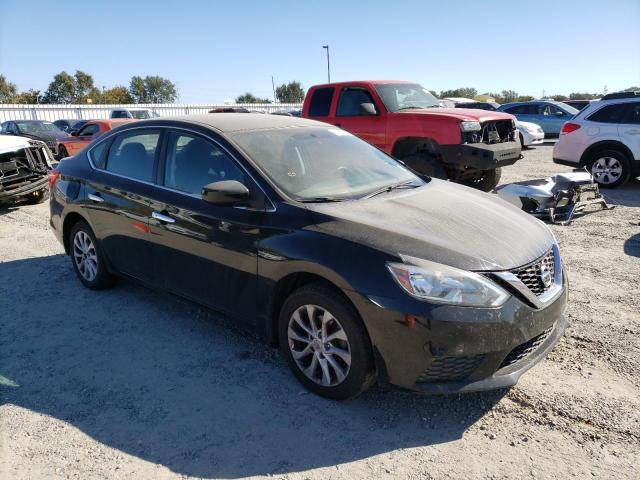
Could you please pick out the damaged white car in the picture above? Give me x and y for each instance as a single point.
(530, 133)
(24, 169)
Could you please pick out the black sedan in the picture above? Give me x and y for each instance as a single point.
(41, 130)
(300, 231)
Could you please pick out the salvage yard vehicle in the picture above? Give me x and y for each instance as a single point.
(529, 133)
(133, 113)
(24, 169)
(406, 121)
(302, 232)
(46, 132)
(550, 115)
(605, 138)
(69, 125)
(72, 144)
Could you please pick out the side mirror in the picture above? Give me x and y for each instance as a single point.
(368, 109)
(74, 133)
(226, 192)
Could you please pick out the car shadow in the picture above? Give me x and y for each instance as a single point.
(161, 379)
(632, 245)
(627, 195)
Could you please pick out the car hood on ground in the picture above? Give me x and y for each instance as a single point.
(441, 222)
(461, 114)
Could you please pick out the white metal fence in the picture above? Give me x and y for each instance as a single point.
(54, 112)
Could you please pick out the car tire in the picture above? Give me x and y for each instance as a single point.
(522, 145)
(487, 181)
(338, 363)
(425, 165)
(609, 168)
(62, 152)
(87, 258)
(38, 197)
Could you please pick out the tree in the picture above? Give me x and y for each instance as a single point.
(251, 98)
(559, 98)
(465, 92)
(7, 90)
(508, 96)
(118, 94)
(583, 96)
(632, 89)
(61, 90)
(29, 97)
(152, 89)
(291, 92)
(84, 88)
(524, 98)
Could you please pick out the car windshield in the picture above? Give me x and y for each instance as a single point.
(322, 164)
(140, 114)
(33, 127)
(568, 108)
(405, 96)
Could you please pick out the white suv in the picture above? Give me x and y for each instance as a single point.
(604, 137)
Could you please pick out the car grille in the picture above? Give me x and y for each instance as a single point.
(450, 368)
(533, 275)
(525, 349)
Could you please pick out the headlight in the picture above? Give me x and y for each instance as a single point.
(443, 284)
(470, 126)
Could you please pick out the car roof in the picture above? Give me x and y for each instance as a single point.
(238, 122)
(363, 82)
(30, 121)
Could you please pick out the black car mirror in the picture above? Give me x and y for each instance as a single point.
(368, 109)
(74, 133)
(226, 192)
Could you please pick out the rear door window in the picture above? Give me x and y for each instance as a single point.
(609, 114)
(320, 104)
(133, 154)
(350, 101)
(632, 115)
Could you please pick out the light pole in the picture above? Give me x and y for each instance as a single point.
(328, 64)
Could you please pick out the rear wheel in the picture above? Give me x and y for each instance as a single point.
(87, 258)
(62, 152)
(609, 168)
(325, 343)
(425, 165)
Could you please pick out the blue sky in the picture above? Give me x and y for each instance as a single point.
(215, 51)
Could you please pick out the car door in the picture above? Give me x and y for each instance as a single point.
(118, 199)
(555, 118)
(629, 128)
(351, 116)
(206, 252)
(84, 137)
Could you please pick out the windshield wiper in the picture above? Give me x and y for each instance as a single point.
(390, 188)
(321, 199)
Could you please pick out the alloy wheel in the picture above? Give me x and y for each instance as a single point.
(319, 345)
(606, 170)
(85, 256)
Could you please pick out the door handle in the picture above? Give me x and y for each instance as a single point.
(162, 217)
(95, 197)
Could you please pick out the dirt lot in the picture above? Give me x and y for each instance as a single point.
(130, 383)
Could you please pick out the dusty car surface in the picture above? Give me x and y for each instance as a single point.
(24, 168)
(318, 241)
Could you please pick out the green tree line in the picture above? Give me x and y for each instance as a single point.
(81, 89)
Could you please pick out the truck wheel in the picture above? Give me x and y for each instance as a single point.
(38, 197)
(487, 181)
(424, 165)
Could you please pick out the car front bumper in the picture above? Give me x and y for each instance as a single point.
(20, 190)
(447, 349)
(482, 156)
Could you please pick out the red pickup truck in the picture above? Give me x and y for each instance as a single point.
(405, 120)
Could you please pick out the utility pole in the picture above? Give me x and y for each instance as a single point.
(328, 64)
(273, 86)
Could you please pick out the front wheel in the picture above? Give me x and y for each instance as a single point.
(38, 197)
(87, 258)
(425, 165)
(325, 343)
(62, 152)
(487, 180)
(609, 168)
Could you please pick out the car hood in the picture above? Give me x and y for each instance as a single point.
(46, 136)
(441, 222)
(461, 114)
(527, 125)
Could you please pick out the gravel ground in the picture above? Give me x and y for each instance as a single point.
(131, 383)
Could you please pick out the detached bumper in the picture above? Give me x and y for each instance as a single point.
(482, 156)
(459, 349)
